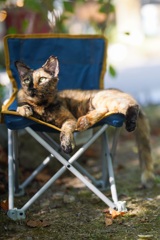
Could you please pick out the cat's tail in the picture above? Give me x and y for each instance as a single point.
(142, 133)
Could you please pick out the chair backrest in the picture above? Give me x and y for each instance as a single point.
(82, 58)
(82, 61)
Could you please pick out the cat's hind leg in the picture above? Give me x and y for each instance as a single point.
(90, 119)
(118, 102)
(131, 118)
(126, 105)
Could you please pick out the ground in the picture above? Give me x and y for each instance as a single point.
(68, 210)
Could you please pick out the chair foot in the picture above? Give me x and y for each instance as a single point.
(121, 206)
(16, 214)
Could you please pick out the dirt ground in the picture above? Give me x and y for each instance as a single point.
(70, 211)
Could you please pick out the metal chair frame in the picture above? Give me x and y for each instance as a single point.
(69, 163)
(91, 50)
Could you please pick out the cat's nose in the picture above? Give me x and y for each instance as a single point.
(33, 91)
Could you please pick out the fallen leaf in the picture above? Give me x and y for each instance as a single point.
(120, 167)
(111, 214)
(43, 177)
(108, 221)
(106, 210)
(37, 223)
(116, 214)
(145, 237)
(4, 205)
(144, 219)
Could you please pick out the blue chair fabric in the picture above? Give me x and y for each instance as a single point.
(84, 72)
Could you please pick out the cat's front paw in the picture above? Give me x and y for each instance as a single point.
(83, 123)
(25, 110)
(67, 142)
(131, 118)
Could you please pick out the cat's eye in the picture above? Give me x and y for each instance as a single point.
(26, 81)
(42, 80)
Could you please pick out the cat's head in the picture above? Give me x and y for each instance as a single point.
(40, 82)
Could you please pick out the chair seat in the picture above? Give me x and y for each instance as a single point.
(16, 122)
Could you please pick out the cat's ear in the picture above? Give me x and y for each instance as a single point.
(22, 68)
(52, 66)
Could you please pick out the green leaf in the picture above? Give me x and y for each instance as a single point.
(68, 6)
(25, 24)
(102, 9)
(111, 8)
(12, 30)
(34, 5)
(112, 71)
(100, 1)
(48, 4)
(106, 8)
(127, 33)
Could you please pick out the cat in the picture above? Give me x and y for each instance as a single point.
(73, 110)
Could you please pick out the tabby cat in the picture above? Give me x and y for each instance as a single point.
(79, 109)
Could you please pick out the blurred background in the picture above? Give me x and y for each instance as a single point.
(131, 26)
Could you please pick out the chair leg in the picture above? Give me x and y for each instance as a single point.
(10, 171)
(18, 191)
(105, 151)
(110, 171)
(14, 188)
(13, 213)
(36, 172)
(115, 142)
(105, 176)
(120, 205)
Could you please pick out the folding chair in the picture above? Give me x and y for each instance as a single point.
(82, 66)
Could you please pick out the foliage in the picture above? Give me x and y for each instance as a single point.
(112, 71)
(68, 8)
(63, 14)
